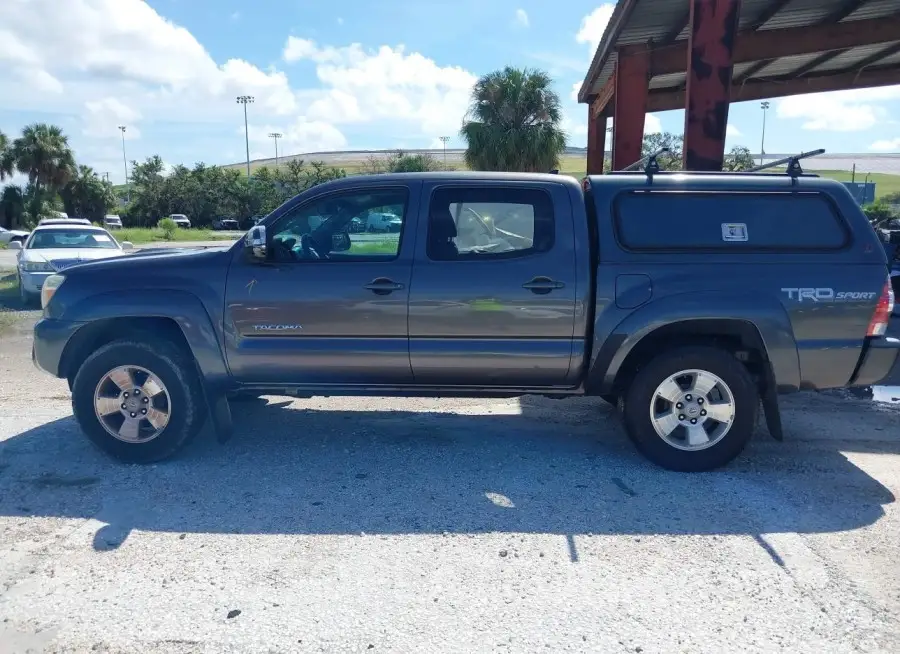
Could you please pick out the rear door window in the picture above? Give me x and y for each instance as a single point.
(728, 221)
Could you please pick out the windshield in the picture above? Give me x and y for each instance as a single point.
(47, 239)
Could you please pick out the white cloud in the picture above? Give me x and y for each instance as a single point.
(101, 119)
(384, 84)
(593, 25)
(732, 132)
(521, 18)
(839, 111)
(886, 145)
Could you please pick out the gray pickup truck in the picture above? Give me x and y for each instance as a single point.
(688, 300)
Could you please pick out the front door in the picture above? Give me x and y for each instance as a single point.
(494, 288)
(317, 312)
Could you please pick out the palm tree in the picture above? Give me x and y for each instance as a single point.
(43, 153)
(6, 160)
(513, 122)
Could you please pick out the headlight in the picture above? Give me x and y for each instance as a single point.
(52, 283)
(35, 266)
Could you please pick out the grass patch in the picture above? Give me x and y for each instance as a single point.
(387, 246)
(9, 300)
(884, 183)
(142, 235)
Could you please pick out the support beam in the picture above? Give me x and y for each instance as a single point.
(602, 105)
(768, 45)
(779, 87)
(596, 144)
(632, 89)
(839, 14)
(714, 25)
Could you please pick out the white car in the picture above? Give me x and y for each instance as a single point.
(112, 221)
(383, 222)
(64, 221)
(52, 248)
(181, 220)
(9, 235)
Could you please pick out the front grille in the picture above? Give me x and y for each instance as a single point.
(62, 264)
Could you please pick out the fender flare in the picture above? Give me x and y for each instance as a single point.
(183, 308)
(766, 315)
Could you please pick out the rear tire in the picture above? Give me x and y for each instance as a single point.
(649, 414)
(184, 398)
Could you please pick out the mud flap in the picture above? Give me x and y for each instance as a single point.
(770, 406)
(220, 414)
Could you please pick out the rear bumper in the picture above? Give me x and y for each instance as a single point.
(880, 362)
(50, 339)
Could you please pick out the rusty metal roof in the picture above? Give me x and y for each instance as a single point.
(661, 22)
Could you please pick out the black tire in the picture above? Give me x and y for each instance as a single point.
(638, 398)
(167, 361)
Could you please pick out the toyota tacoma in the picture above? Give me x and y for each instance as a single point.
(690, 301)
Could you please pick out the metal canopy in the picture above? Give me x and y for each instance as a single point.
(782, 47)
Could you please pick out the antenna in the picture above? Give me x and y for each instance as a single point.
(794, 169)
(651, 165)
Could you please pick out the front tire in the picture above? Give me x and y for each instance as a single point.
(692, 409)
(137, 400)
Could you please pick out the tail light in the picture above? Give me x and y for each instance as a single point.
(878, 324)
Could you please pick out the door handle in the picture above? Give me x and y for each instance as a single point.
(543, 285)
(383, 286)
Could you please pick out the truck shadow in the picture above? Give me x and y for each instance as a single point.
(296, 471)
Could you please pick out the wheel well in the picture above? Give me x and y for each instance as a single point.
(97, 334)
(739, 337)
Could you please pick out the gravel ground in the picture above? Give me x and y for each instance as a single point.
(391, 525)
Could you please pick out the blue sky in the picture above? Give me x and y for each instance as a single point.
(329, 75)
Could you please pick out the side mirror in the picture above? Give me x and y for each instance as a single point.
(127, 245)
(255, 243)
(15, 245)
(340, 242)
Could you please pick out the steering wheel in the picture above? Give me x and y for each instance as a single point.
(308, 248)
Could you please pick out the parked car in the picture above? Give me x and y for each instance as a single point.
(112, 221)
(225, 223)
(64, 221)
(54, 247)
(685, 299)
(181, 220)
(383, 222)
(9, 235)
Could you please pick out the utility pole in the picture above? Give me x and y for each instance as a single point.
(245, 100)
(276, 136)
(106, 176)
(444, 140)
(125, 161)
(762, 148)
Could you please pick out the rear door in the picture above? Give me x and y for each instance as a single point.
(493, 298)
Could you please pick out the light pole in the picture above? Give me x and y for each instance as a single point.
(245, 100)
(125, 161)
(762, 147)
(444, 140)
(276, 136)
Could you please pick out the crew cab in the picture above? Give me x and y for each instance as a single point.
(684, 299)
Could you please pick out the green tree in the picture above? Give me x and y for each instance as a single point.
(738, 159)
(402, 162)
(43, 154)
(513, 122)
(12, 206)
(87, 196)
(7, 162)
(671, 160)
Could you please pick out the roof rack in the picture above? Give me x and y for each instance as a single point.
(650, 163)
(794, 169)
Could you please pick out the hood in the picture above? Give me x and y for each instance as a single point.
(158, 260)
(61, 258)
